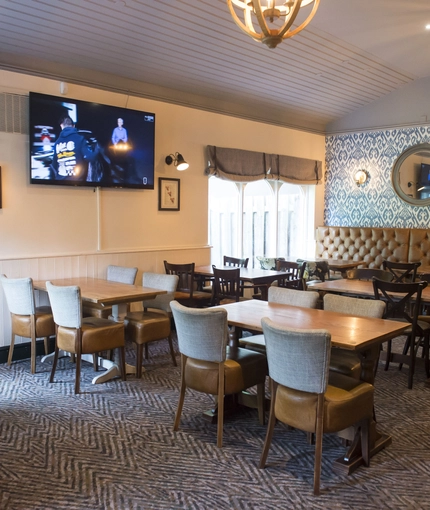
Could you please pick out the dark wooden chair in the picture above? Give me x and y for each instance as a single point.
(226, 285)
(403, 301)
(294, 274)
(402, 271)
(235, 262)
(186, 292)
(369, 273)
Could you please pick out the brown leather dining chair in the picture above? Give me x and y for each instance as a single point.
(343, 361)
(28, 320)
(303, 395)
(78, 335)
(209, 366)
(186, 292)
(153, 323)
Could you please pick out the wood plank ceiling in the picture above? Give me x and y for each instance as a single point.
(191, 52)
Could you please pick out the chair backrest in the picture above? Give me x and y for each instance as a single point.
(167, 282)
(399, 297)
(121, 274)
(293, 297)
(402, 271)
(369, 273)
(354, 306)
(294, 274)
(297, 358)
(185, 273)
(19, 295)
(202, 332)
(226, 284)
(235, 262)
(66, 305)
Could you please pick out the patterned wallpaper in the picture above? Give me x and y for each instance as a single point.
(375, 204)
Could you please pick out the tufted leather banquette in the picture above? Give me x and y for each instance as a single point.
(373, 245)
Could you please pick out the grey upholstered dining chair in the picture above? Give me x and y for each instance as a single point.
(209, 366)
(78, 335)
(302, 395)
(28, 320)
(118, 274)
(343, 361)
(154, 322)
(283, 296)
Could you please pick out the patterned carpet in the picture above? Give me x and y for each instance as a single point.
(112, 447)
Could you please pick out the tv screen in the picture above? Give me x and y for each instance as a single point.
(77, 143)
(425, 174)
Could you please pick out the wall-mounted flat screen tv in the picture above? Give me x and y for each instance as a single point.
(77, 143)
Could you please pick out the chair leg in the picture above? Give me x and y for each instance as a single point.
(318, 443)
(387, 361)
(10, 355)
(146, 351)
(261, 403)
(411, 364)
(221, 389)
(270, 426)
(78, 373)
(172, 351)
(33, 344)
(365, 443)
(54, 363)
(426, 356)
(139, 360)
(181, 394)
(95, 361)
(46, 344)
(122, 363)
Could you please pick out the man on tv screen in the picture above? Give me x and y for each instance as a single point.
(71, 153)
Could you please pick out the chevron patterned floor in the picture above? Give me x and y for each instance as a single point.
(112, 447)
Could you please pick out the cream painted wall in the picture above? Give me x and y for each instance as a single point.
(37, 222)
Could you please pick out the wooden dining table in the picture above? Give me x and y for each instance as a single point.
(104, 293)
(260, 278)
(361, 288)
(364, 335)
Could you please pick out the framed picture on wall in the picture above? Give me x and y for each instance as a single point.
(168, 194)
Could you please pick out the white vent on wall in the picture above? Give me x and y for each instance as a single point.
(14, 113)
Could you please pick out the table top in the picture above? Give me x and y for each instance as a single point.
(246, 273)
(342, 264)
(347, 332)
(357, 288)
(104, 292)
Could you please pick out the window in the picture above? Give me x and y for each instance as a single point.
(266, 218)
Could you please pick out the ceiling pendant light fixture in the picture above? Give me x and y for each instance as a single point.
(271, 21)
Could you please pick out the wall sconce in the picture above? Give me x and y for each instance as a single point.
(178, 160)
(361, 177)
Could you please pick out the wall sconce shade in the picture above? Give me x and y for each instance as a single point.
(361, 177)
(178, 160)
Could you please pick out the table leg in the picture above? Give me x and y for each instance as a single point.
(352, 458)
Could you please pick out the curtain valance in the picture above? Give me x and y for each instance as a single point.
(247, 166)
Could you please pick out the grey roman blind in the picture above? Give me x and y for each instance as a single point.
(247, 166)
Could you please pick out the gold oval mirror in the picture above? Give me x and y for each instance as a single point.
(410, 176)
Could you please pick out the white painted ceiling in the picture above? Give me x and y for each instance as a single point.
(191, 52)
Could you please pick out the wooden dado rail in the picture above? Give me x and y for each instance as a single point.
(373, 245)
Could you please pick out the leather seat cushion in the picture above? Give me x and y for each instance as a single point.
(143, 327)
(44, 323)
(243, 369)
(347, 401)
(97, 335)
(95, 310)
(345, 362)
